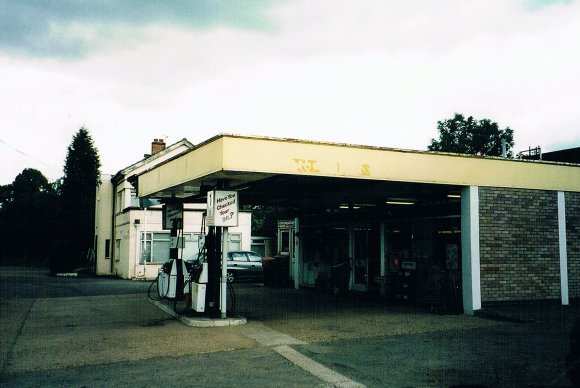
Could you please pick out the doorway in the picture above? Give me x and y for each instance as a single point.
(365, 256)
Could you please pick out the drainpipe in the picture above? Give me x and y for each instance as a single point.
(112, 244)
(144, 235)
(135, 256)
(138, 248)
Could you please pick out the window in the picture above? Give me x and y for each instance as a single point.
(284, 243)
(134, 199)
(235, 243)
(261, 245)
(155, 247)
(107, 248)
(120, 201)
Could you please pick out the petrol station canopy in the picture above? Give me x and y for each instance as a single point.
(300, 173)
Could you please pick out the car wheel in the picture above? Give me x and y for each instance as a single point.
(230, 277)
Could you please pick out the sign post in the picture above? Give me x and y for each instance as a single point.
(222, 208)
(222, 211)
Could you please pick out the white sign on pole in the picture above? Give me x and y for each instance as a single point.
(210, 208)
(222, 208)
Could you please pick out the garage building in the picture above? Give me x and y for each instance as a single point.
(420, 226)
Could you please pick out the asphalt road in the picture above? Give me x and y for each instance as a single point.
(508, 355)
(257, 368)
(104, 332)
(34, 283)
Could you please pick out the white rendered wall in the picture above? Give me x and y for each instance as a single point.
(150, 221)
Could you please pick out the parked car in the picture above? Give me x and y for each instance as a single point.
(245, 265)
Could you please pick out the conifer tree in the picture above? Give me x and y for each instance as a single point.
(78, 187)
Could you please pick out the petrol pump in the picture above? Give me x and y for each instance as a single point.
(179, 280)
(200, 284)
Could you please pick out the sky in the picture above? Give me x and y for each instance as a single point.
(369, 72)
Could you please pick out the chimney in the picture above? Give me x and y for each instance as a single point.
(157, 145)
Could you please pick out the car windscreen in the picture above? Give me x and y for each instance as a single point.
(237, 256)
(254, 257)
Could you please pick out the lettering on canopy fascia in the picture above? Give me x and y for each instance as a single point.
(365, 170)
(303, 165)
(310, 165)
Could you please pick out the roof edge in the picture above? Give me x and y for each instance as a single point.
(350, 145)
(378, 148)
(123, 172)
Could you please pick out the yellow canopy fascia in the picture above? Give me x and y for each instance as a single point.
(270, 156)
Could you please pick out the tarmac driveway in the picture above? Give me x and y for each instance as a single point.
(120, 338)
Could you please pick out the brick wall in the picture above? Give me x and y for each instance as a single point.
(573, 243)
(519, 245)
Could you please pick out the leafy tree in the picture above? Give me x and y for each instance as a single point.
(77, 192)
(28, 183)
(5, 195)
(471, 136)
(265, 220)
(27, 218)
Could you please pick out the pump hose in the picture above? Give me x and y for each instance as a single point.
(232, 308)
(149, 290)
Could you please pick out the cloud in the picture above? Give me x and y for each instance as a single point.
(382, 74)
(73, 29)
(535, 5)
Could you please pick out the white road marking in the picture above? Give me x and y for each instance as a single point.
(329, 376)
(269, 337)
(280, 341)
